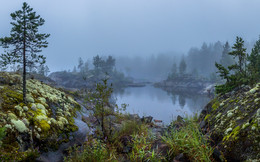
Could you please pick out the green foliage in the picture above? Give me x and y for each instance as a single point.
(100, 100)
(190, 141)
(239, 52)
(223, 72)
(16, 155)
(103, 66)
(93, 150)
(2, 133)
(239, 73)
(129, 127)
(24, 38)
(254, 63)
(140, 142)
(141, 148)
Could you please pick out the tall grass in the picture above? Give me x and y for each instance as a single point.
(190, 141)
(142, 148)
(94, 151)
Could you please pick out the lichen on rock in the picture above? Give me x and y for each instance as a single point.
(19, 125)
(38, 116)
(233, 120)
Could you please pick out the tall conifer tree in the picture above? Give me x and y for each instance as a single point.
(24, 42)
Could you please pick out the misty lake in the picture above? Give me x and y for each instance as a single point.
(161, 105)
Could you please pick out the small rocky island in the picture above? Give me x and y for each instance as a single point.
(186, 83)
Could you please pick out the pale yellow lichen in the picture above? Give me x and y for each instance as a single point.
(11, 116)
(8, 126)
(18, 107)
(41, 117)
(228, 130)
(19, 125)
(245, 125)
(29, 98)
(33, 107)
(42, 100)
(25, 108)
(63, 120)
(253, 90)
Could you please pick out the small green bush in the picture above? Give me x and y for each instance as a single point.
(190, 141)
(94, 151)
(142, 148)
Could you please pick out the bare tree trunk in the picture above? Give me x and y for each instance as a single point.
(24, 63)
(102, 122)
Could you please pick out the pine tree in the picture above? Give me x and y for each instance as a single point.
(109, 64)
(80, 65)
(239, 52)
(174, 69)
(46, 70)
(254, 62)
(236, 74)
(226, 59)
(74, 69)
(24, 42)
(41, 70)
(98, 63)
(173, 74)
(223, 72)
(183, 66)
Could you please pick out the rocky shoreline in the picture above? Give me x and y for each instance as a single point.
(187, 83)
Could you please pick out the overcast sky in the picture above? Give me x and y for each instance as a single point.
(84, 28)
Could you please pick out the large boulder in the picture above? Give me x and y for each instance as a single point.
(45, 121)
(233, 122)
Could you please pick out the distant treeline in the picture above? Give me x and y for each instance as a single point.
(87, 75)
(199, 61)
(153, 68)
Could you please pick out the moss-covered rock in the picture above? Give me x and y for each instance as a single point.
(233, 120)
(47, 117)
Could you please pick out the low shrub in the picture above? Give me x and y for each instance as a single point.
(189, 141)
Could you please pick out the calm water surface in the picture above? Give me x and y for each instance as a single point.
(160, 104)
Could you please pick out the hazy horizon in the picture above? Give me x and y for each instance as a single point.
(85, 28)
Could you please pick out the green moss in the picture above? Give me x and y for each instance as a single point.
(207, 116)
(10, 97)
(215, 105)
(38, 112)
(44, 125)
(233, 134)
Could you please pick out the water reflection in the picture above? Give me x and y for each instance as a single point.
(162, 105)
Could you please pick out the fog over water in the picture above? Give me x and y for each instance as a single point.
(159, 104)
(85, 28)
